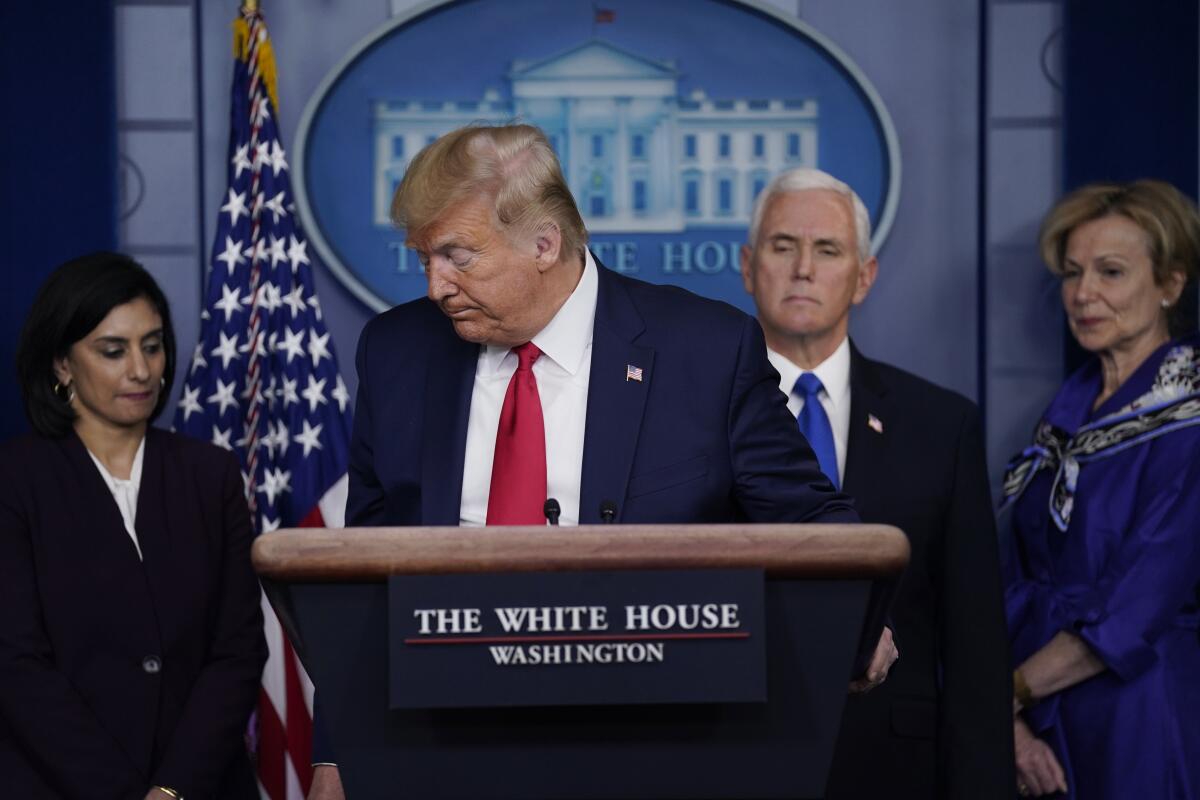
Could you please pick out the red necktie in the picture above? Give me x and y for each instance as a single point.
(518, 492)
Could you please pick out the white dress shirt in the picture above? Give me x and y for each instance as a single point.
(125, 492)
(834, 373)
(562, 371)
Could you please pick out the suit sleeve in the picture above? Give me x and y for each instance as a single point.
(1154, 573)
(47, 719)
(776, 475)
(976, 735)
(364, 505)
(211, 727)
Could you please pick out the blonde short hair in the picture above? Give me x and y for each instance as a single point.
(1168, 217)
(514, 165)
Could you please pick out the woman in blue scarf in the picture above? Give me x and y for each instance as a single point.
(1103, 596)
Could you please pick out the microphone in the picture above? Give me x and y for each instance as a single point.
(551, 509)
(608, 511)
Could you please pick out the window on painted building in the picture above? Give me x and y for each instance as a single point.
(554, 145)
(793, 145)
(723, 145)
(397, 147)
(430, 139)
(725, 196)
(689, 146)
(639, 195)
(760, 145)
(597, 145)
(597, 205)
(691, 197)
(637, 146)
(756, 187)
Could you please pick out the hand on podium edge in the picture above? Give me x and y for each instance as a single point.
(877, 671)
(326, 783)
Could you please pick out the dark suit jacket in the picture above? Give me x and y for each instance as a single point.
(704, 437)
(118, 674)
(941, 725)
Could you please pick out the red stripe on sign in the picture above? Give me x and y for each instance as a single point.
(625, 637)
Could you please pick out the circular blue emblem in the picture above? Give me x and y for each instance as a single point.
(668, 117)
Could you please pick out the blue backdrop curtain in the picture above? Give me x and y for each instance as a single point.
(59, 146)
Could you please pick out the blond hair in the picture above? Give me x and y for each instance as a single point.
(1168, 217)
(514, 165)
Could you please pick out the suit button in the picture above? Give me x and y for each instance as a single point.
(151, 665)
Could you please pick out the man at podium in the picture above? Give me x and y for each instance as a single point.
(534, 381)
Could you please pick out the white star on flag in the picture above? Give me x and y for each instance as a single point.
(314, 393)
(229, 302)
(317, 346)
(240, 160)
(236, 206)
(295, 300)
(288, 392)
(232, 254)
(278, 158)
(221, 437)
(340, 394)
(223, 396)
(292, 343)
(227, 350)
(276, 482)
(309, 437)
(188, 404)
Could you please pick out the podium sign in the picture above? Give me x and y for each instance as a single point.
(594, 638)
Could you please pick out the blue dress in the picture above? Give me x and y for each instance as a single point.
(1107, 546)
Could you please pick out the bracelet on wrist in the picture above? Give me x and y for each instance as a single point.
(169, 791)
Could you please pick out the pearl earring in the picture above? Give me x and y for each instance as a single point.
(1166, 303)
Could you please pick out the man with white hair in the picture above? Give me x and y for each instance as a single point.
(911, 455)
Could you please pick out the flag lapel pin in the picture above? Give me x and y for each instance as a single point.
(874, 423)
(633, 373)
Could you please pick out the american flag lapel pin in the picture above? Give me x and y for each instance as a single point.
(633, 373)
(874, 423)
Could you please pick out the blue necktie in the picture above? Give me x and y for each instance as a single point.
(814, 424)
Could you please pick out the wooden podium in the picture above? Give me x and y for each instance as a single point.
(822, 595)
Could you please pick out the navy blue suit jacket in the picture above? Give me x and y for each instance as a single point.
(940, 726)
(705, 436)
(118, 673)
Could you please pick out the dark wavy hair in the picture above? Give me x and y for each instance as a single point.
(76, 298)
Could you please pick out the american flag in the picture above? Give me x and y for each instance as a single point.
(264, 381)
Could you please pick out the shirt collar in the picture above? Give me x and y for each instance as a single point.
(567, 336)
(834, 372)
(135, 471)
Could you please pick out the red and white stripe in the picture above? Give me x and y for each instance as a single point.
(285, 701)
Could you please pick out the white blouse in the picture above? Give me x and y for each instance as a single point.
(125, 492)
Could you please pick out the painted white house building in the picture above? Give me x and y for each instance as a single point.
(637, 156)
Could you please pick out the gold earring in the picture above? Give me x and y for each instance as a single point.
(59, 389)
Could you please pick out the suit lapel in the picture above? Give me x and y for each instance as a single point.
(102, 524)
(867, 439)
(152, 524)
(450, 373)
(615, 403)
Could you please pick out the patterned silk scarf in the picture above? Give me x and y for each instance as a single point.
(1172, 402)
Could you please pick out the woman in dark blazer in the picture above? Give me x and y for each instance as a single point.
(131, 641)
